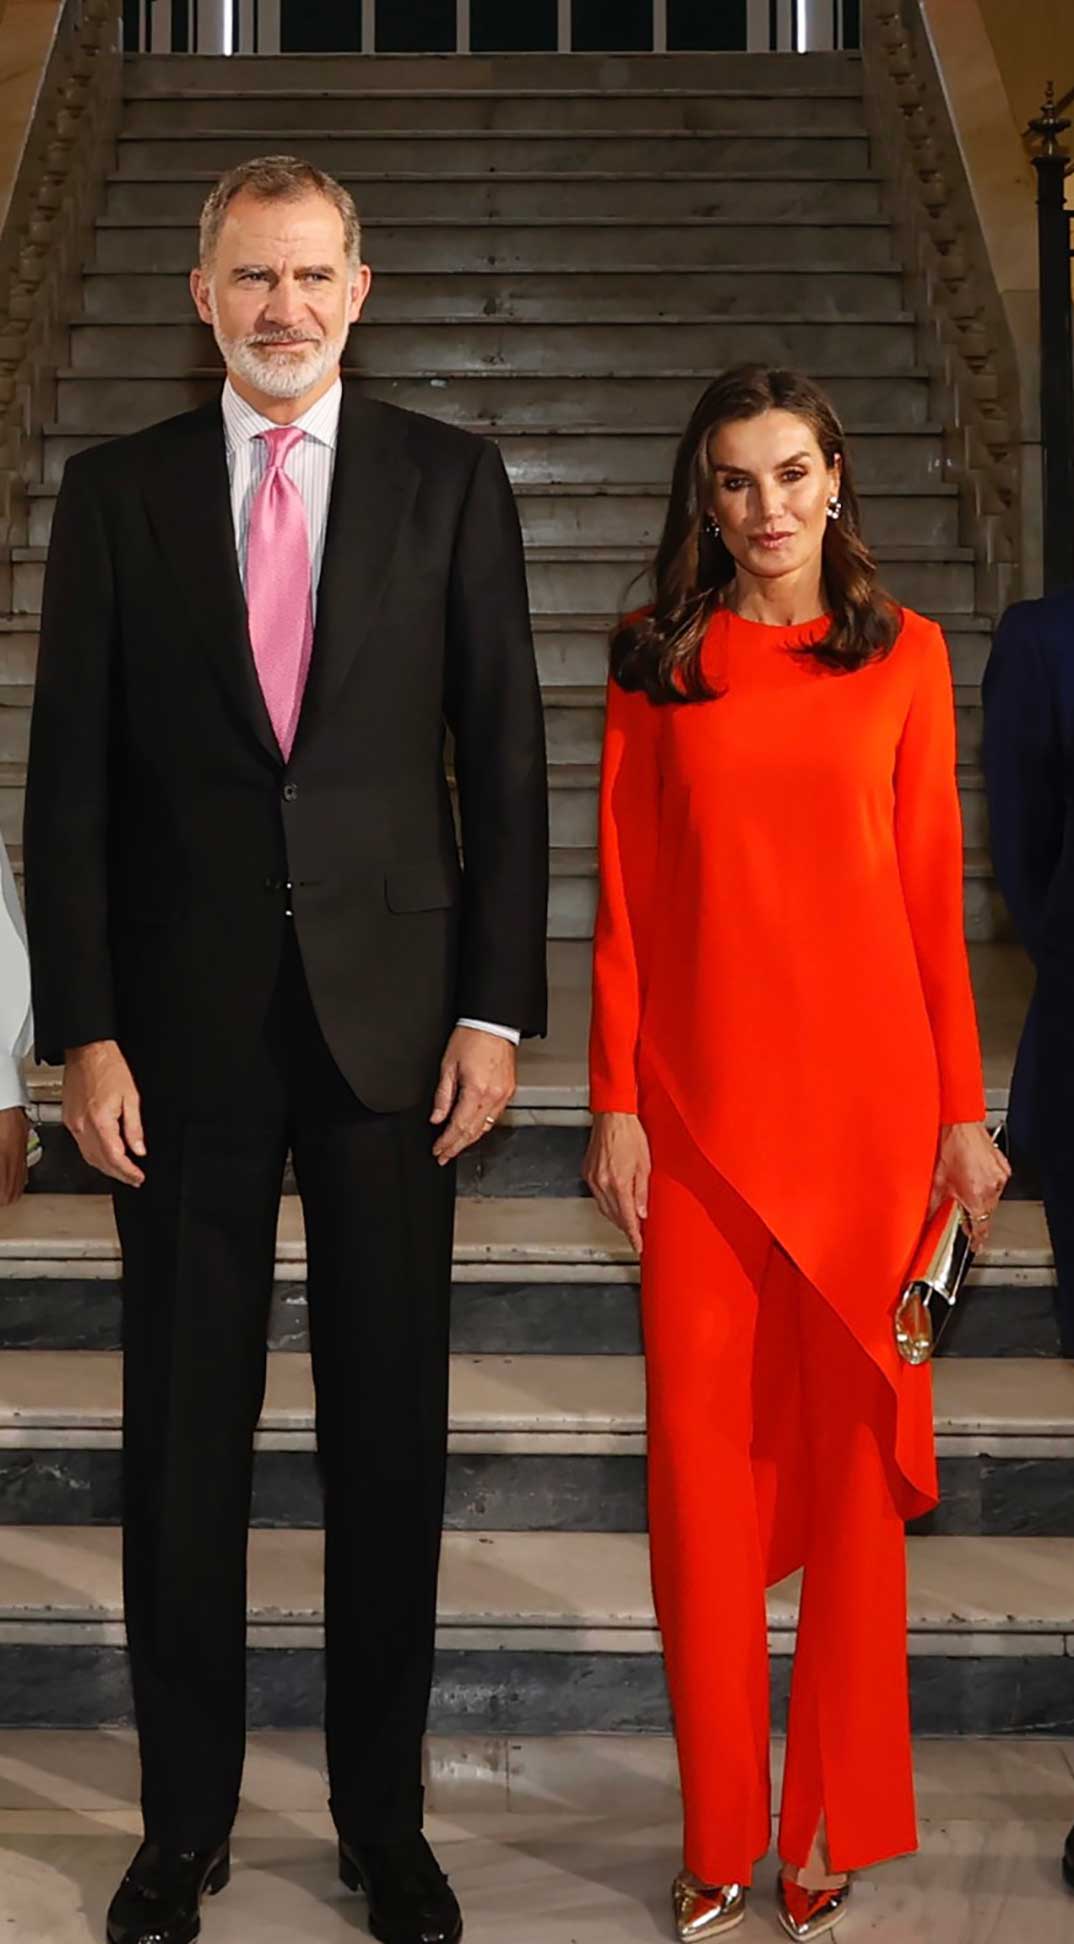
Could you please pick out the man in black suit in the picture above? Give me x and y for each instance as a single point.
(1029, 768)
(251, 936)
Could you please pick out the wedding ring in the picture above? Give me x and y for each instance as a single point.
(490, 1120)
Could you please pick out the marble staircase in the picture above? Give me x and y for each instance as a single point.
(565, 250)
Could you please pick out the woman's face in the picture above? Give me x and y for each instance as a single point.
(771, 492)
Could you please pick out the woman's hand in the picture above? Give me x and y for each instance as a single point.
(972, 1169)
(616, 1171)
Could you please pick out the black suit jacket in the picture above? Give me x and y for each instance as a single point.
(1029, 768)
(163, 825)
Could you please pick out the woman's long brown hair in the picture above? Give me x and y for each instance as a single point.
(659, 650)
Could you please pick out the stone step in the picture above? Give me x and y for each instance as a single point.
(574, 724)
(569, 242)
(867, 346)
(538, 1631)
(523, 1310)
(572, 649)
(591, 296)
(572, 818)
(268, 116)
(566, 580)
(535, 1405)
(317, 76)
(1000, 1593)
(536, 1443)
(552, 1075)
(534, 400)
(72, 1232)
(407, 153)
(602, 456)
(634, 516)
(521, 198)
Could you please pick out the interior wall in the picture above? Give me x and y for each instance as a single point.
(1034, 43)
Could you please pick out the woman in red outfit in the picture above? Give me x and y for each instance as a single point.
(784, 1067)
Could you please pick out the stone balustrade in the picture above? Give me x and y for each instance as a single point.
(967, 343)
(60, 96)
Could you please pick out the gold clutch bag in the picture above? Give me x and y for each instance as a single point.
(936, 1276)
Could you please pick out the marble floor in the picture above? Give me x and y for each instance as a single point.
(546, 1843)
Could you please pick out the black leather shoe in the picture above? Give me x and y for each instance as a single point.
(1068, 1861)
(410, 1898)
(158, 1900)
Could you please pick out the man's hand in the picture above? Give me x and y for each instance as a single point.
(102, 1110)
(14, 1128)
(478, 1076)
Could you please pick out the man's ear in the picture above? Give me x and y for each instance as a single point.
(199, 290)
(361, 284)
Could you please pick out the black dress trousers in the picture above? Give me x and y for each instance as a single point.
(198, 1243)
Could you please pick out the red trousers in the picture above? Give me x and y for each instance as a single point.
(762, 1407)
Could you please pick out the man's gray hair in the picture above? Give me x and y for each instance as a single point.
(277, 178)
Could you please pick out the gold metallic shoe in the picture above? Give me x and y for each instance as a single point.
(704, 1910)
(808, 1913)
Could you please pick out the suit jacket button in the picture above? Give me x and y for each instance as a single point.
(290, 791)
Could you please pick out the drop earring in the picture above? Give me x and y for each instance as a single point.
(835, 507)
(712, 527)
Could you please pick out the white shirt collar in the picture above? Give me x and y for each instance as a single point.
(242, 423)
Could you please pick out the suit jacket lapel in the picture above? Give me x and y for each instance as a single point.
(373, 486)
(189, 502)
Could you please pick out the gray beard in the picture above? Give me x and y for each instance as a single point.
(278, 380)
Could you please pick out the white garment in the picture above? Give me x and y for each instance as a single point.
(16, 1021)
(310, 466)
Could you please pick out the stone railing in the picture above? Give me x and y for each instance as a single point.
(63, 77)
(966, 340)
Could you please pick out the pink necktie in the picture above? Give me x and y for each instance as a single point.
(279, 588)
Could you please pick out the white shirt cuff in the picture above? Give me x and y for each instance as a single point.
(501, 1032)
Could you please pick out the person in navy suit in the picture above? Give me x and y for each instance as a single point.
(1029, 770)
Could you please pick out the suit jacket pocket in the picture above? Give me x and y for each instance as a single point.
(422, 887)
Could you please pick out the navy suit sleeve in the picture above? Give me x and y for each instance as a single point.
(1023, 761)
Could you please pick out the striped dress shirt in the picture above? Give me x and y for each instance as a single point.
(310, 465)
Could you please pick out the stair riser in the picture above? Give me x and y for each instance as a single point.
(572, 908)
(577, 657)
(575, 733)
(525, 1692)
(14, 734)
(542, 402)
(572, 815)
(986, 917)
(457, 245)
(896, 460)
(555, 295)
(751, 199)
(527, 1159)
(63, 1485)
(974, 813)
(613, 521)
(515, 1318)
(416, 154)
(555, 114)
(608, 521)
(878, 347)
(18, 657)
(497, 74)
(600, 586)
(572, 904)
